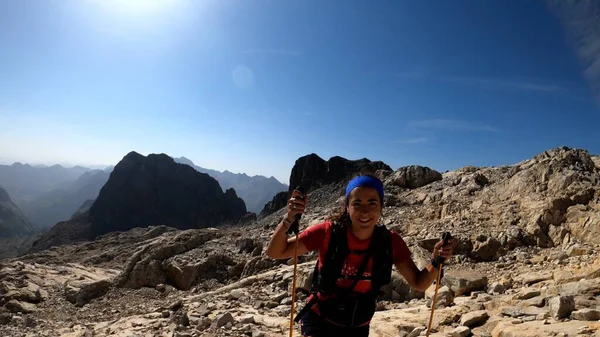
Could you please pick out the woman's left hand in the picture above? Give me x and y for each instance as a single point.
(442, 250)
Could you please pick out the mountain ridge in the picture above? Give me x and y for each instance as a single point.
(256, 190)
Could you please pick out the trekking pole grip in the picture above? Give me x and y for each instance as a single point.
(446, 238)
(295, 226)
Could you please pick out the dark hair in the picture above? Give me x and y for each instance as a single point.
(340, 215)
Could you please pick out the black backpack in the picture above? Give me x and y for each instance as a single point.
(346, 307)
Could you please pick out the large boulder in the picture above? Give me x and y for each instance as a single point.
(81, 292)
(464, 282)
(485, 248)
(413, 176)
(583, 221)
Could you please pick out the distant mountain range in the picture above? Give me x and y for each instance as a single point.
(24, 182)
(48, 194)
(61, 203)
(256, 191)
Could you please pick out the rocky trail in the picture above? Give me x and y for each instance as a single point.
(526, 264)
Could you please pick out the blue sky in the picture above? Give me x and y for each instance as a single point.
(250, 86)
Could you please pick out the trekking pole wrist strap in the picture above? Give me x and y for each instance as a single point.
(436, 265)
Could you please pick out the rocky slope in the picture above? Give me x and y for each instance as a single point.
(508, 277)
(256, 191)
(83, 207)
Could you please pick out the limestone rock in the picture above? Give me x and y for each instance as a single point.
(18, 306)
(533, 277)
(586, 314)
(526, 294)
(496, 288)
(223, 320)
(561, 306)
(413, 177)
(144, 267)
(578, 250)
(445, 297)
(485, 248)
(80, 293)
(460, 331)
(474, 318)
(464, 282)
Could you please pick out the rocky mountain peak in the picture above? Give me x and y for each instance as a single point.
(156, 190)
(312, 172)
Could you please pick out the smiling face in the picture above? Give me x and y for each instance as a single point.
(364, 207)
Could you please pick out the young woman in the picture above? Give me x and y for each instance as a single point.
(358, 220)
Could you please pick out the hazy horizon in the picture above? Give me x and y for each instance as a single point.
(249, 87)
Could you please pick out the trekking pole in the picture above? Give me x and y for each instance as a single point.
(295, 228)
(446, 238)
(294, 287)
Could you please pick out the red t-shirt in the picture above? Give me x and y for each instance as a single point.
(317, 237)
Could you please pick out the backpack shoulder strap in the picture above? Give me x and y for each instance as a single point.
(337, 250)
(382, 258)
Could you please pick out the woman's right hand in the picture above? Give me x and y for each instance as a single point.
(296, 205)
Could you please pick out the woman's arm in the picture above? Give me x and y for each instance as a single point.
(422, 279)
(280, 246)
(418, 279)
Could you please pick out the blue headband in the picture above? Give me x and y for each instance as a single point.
(365, 181)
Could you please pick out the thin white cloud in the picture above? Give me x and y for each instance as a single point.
(581, 21)
(450, 125)
(282, 52)
(492, 83)
(507, 84)
(417, 140)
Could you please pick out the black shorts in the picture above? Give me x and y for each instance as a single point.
(313, 325)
